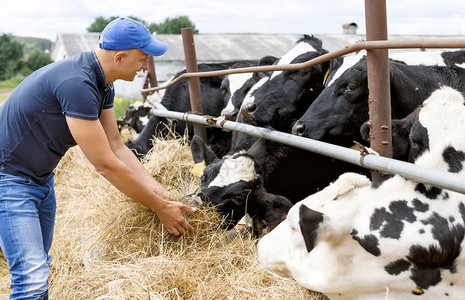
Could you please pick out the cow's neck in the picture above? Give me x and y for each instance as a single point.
(411, 85)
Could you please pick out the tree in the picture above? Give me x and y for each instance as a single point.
(38, 59)
(169, 26)
(174, 25)
(100, 23)
(10, 56)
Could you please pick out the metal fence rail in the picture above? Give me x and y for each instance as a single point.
(366, 45)
(438, 178)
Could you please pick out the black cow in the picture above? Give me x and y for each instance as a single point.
(279, 99)
(176, 98)
(286, 95)
(339, 111)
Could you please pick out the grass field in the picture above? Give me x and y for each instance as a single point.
(4, 93)
(7, 86)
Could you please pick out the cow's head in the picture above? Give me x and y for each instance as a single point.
(313, 245)
(411, 136)
(287, 94)
(436, 135)
(231, 86)
(137, 115)
(400, 129)
(236, 86)
(234, 185)
(341, 108)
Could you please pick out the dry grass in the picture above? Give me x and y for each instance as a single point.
(108, 247)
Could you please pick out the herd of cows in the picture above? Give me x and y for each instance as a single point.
(346, 238)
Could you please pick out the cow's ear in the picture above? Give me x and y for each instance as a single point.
(267, 60)
(264, 61)
(365, 131)
(201, 152)
(309, 221)
(334, 64)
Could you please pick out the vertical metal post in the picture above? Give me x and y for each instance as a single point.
(152, 74)
(193, 82)
(150, 80)
(379, 98)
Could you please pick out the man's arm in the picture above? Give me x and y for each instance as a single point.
(108, 121)
(124, 171)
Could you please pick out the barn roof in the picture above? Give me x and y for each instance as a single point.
(214, 47)
(209, 47)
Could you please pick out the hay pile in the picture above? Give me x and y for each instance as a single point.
(108, 247)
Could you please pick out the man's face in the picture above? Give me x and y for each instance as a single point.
(132, 61)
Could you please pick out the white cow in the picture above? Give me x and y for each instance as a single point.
(402, 240)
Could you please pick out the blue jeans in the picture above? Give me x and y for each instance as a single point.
(27, 219)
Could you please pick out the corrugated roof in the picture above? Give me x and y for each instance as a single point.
(225, 47)
(212, 47)
(219, 47)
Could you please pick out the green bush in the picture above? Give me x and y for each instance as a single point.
(38, 59)
(120, 105)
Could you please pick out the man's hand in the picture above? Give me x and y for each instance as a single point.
(173, 220)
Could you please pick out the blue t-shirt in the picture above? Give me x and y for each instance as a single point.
(34, 134)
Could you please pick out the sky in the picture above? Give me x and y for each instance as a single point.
(46, 18)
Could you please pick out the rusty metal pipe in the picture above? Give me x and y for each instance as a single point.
(150, 78)
(379, 98)
(367, 45)
(435, 177)
(193, 82)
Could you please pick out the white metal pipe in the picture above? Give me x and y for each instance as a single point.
(438, 178)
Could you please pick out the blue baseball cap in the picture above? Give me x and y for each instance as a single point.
(126, 33)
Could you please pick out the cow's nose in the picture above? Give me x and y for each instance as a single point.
(231, 115)
(248, 111)
(298, 128)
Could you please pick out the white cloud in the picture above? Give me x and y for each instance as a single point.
(46, 18)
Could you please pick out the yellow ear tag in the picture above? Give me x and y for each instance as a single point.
(417, 291)
(197, 170)
(325, 77)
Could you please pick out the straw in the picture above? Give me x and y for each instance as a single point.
(108, 247)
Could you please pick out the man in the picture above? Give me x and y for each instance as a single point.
(60, 105)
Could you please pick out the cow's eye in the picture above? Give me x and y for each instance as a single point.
(350, 88)
(224, 91)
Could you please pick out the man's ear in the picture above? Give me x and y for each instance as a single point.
(119, 56)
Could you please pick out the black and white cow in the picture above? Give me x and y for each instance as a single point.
(340, 110)
(234, 184)
(264, 180)
(400, 130)
(286, 95)
(236, 86)
(176, 98)
(136, 116)
(401, 240)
